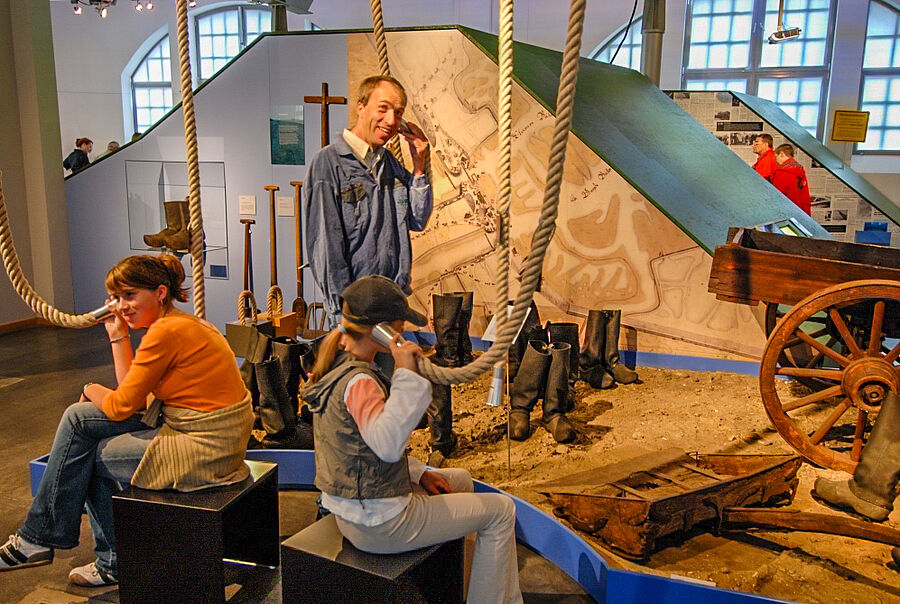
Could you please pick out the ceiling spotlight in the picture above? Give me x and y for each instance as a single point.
(783, 34)
(77, 10)
(138, 7)
(104, 12)
(150, 5)
(192, 4)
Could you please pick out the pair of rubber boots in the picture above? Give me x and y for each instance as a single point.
(550, 333)
(543, 373)
(599, 362)
(452, 348)
(272, 371)
(176, 234)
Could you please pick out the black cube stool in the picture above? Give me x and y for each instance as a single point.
(319, 565)
(171, 545)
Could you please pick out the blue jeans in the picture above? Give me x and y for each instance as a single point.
(91, 455)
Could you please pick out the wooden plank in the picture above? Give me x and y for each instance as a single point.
(794, 520)
(672, 479)
(704, 471)
(629, 490)
(751, 274)
(857, 253)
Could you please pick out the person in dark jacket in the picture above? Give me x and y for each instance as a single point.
(78, 159)
(790, 178)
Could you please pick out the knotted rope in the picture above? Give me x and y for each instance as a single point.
(193, 165)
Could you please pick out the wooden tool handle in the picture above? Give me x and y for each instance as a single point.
(247, 222)
(298, 239)
(273, 263)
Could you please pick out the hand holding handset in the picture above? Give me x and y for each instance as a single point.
(404, 127)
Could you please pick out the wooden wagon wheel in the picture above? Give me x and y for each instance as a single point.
(850, 361)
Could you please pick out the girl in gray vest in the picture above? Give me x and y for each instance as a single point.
(383, 501)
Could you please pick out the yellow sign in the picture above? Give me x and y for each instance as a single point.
(850, 126)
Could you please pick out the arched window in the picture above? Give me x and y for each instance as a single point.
(881, 78)
(151, 86)
(726, 43)
(629, 54)
(223, 33)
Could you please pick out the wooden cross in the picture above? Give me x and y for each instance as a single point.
(325, 100)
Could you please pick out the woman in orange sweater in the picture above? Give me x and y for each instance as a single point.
(115, 436)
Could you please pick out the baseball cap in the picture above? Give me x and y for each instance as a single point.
(376, 299)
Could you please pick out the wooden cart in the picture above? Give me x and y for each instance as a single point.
(833, 319)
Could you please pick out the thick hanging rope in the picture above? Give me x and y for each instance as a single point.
(246, 301)
(193, 165)
(20, 282)
(504, 160)
(547, 222)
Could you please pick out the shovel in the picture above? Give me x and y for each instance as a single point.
(285, 323)
(299, 304)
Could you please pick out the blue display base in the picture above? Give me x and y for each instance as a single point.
(534, 529)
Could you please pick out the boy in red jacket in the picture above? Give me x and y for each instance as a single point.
(790, 178)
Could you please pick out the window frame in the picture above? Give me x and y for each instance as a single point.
(162, 42)
(876, 72)
(242, 10)
(613, 40)
(754, 72)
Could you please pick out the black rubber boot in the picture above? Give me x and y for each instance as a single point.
(446, 329)
(275, 412)
(531, 330)
(289, 353)
(556, 393)
(620, 372)
(871, 491)
(590, 361)
(440, 420)
(465, 317)
(568, 333)
(258, 350)
(527, 388)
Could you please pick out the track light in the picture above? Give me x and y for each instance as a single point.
(77, 10)
(104, 12)
(192, 4)
(783, 34)
(150, 5)
(138, 7)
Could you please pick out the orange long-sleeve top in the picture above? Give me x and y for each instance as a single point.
(183, 361)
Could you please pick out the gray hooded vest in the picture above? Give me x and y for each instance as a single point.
(345, 466)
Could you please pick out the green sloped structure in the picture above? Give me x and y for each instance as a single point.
(656, 146)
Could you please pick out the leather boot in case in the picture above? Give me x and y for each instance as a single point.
(871, 491)
(175, 235)
(531, 330)
(528, 386)
(465, 317)
(447, 309)
(556, 395)
(590, 361)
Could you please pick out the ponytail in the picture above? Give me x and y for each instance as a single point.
(330, 344)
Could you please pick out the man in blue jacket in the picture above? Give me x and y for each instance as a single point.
(359, 202)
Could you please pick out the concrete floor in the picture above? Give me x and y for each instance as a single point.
(42, 371)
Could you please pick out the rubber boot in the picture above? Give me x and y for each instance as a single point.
(289, 352)
(446, 329)
(568, 333)
(531, 330)
(440, 421)
(175, 235)
(871, 491)
(465, 317)
(590, 362)
(258, 350)
(556, 393)
(275, 412)
(620, 372)
(527, 388)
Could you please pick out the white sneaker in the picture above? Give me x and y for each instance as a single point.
(90, 575)
(19, 553)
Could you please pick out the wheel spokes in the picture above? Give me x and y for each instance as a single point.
(809, 399)
(877, 323)
(862, 419)
(829, 422)
(849, 340)
(823, 349)
(826, 374)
